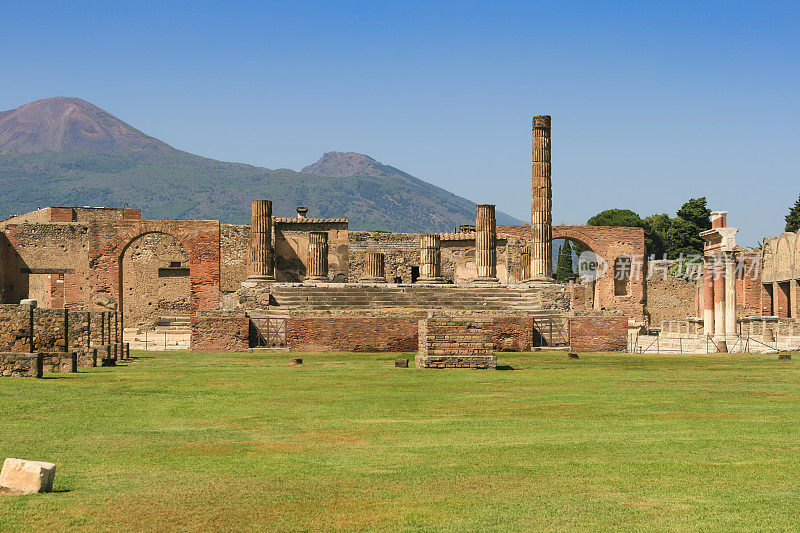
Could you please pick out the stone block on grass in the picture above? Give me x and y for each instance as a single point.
(27, 477)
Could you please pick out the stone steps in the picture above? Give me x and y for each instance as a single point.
(352, 296)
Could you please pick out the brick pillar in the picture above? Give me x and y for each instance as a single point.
(259, 265)
(542, 201)
(730, 296)
(374, 268)
(794, 292)
(430, 260)
(317, 256)
(719, 304)
(486, 244)
(708, 296)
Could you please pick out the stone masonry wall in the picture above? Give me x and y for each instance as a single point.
(16, 327)
(455, 342)
(670, 299)
(50, 330)
(234, 244)
(17, 364)
(598, 333)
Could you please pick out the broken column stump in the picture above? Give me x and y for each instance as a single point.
(401, 363)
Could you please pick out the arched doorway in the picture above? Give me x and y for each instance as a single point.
(568, 254)
(155, 290)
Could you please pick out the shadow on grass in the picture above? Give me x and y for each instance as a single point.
(505, 367)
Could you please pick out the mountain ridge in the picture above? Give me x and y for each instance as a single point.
(66, 151)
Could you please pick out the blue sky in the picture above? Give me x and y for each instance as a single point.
(652, 102)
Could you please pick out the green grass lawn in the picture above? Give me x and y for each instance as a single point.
(242, 441)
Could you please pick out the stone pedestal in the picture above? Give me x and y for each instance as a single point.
(708, 296)
(430, 260)
(260, 266)
(719, 305)
(317, 256)
(730, 296)
(542, 201)
(374, 268)
(486, 244)
(456, 342)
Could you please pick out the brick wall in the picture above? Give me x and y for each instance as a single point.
(220, 332)
(512, 333)
(351, 334)
(598, 333)
(455, 342)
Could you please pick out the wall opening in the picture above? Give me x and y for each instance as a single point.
(622, 275)
(155, 281)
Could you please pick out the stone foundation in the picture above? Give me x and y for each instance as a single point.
(64, 363)
(456, 342)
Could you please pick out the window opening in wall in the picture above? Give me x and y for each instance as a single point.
(414, 274)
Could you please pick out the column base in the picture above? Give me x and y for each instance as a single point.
(254, 281)
(315, 279)
(372, 280)
(541, 279)
(485, 280)
(430, 281)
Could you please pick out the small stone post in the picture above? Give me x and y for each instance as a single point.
(542, 201)
(374, 268)
(259, 266)
(430, 260)
(486, 244)
(525, 263)
(317, 256)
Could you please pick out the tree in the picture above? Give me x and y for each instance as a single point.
(696, 212)
(793, 218)
(616, 217)
(683, 237)
(564, 270)
(656, 228)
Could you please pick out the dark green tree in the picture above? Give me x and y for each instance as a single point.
(616, 217)
(683, 237)
(564, 270)
(696, 212)
(793, 218)
(656, 228)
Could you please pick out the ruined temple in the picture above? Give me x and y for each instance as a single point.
(311, 283)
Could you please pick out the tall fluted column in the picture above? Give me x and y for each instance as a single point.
(730, 295)
(259, 265)
(486, 244)
(542, 201)
(317, 256)
(374, 268)
(708, 296)
(430, 260)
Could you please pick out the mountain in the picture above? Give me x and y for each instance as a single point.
(66, 151)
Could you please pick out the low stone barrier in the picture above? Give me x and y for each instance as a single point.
(19, 364)
(87, 358)
(62, 362)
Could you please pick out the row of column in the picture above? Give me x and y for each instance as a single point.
(719, 297)
(261, 264)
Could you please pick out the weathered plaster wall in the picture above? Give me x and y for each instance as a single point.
(291, 248)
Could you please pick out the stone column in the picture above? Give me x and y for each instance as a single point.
(259, 265)
(541, 202)
(317, 256)
(719, 304)
(486, 244)
(708, 296)
(525, 263)
(374, 268)
(730, 296)
(430, 260)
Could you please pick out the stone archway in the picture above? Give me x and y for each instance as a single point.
(199, 238)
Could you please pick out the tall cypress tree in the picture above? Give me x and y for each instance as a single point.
(564, 270)
(793, 218)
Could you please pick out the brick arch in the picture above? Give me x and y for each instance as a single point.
(611, 243)
(199, 238)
